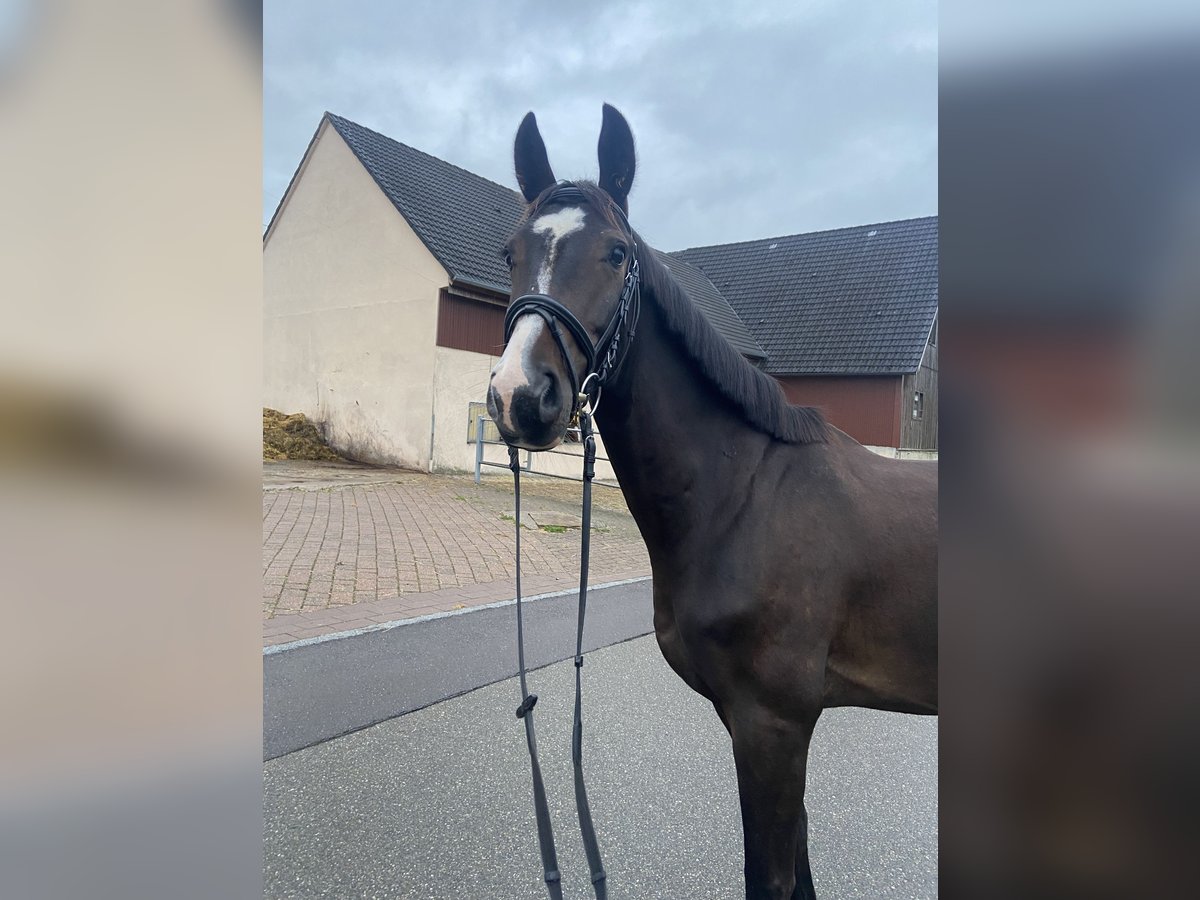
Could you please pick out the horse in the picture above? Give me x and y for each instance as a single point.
(793, 569)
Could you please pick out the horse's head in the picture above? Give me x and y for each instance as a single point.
(574, 278)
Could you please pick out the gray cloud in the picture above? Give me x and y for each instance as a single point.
(776, 119)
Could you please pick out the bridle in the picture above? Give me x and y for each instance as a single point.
(610, 351)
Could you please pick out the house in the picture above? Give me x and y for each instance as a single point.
(848, 320)
(384, 296)
(385, 292)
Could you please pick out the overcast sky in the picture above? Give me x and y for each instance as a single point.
(776, 118)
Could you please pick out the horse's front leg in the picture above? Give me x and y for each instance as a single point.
(804, 889)
(771, 754)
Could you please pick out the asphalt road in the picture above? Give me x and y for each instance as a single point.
(323, 690)
(436, 803)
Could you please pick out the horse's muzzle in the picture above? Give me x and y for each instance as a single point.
(534, 415)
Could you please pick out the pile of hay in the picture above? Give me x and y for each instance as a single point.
(293, 437)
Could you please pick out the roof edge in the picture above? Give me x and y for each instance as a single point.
(890, 373)
(287, 192)
(782, 237)
(480, 285)
(333, 119)
(418, 150)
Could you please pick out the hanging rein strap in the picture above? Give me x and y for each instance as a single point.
(587, 829)
(525, 711)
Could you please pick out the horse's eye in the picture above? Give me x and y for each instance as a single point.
(508, 260)
(617, 256)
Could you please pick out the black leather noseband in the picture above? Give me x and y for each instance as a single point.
(554, 312)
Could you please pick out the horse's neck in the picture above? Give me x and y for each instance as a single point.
(678, 452)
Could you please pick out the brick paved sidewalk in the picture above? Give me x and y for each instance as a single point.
(347, 546)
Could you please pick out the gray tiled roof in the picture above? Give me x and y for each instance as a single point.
(853, 301)
(465, 219)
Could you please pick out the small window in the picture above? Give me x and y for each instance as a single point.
(918, 405)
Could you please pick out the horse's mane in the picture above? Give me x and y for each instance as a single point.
(756, 395)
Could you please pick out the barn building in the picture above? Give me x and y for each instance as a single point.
(384, 300)
(848, 320)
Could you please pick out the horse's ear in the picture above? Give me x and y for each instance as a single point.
(529, 153)
(616, 157)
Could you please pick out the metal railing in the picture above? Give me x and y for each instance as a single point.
(481, 441)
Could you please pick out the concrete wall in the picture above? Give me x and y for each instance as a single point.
(350, 311)
(461, 377)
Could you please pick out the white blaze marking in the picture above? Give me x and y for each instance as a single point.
(556, 225)
(515, 369)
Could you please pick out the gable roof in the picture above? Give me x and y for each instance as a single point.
(851, 301)
(464, 220)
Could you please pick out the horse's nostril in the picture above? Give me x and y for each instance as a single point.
(549, 404)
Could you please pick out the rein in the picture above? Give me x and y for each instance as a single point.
(610, 351)
(525, 711)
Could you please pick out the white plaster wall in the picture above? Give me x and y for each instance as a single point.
(350, 311)
(460, 378)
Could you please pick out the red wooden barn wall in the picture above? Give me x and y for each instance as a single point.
(468, 324)
(867, 409)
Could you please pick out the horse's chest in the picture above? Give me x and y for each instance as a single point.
(683, 628)
(674, 648)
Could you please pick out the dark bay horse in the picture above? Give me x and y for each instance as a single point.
(794, 570)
